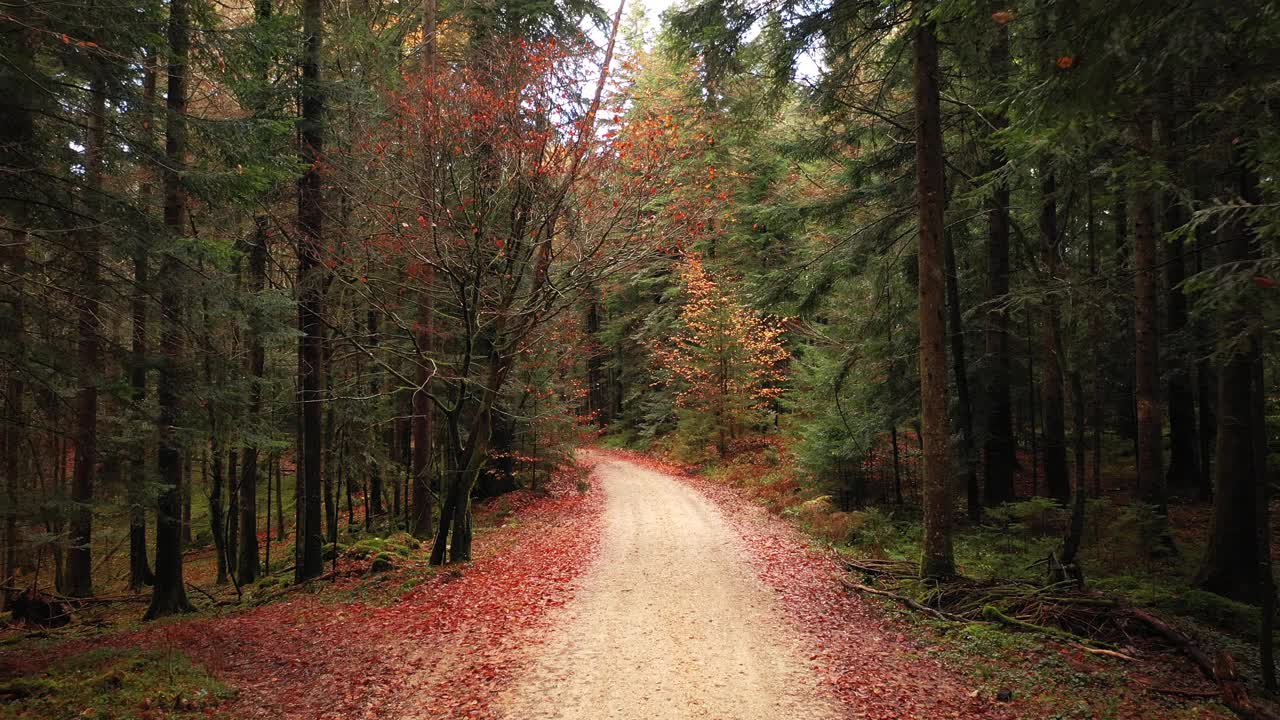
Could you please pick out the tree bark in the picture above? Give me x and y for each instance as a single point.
(937, 559)
(80, 555)
(1232, 563)
(139, 567)
(1146, 341)
(959, 369)
(1184, 444)
(169, 594)
(310, 322)
(1000, 447)
(1051, 383)
(248, 567)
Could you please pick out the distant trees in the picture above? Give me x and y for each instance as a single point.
(724, 362)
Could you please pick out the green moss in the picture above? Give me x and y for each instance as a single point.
(383, 562)
(116, 684)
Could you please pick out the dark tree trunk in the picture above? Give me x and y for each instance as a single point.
(1075, 529)
(1206, 385)
(217, 523)
(169, 594)
(376, 474)
(139, 567)
(960, 371)
(15, 397)
(423, 429)
(1262, 510)
(1232, 562)
(310, 322)
(247, 563)
(1184, 444)
(937, 559)
(1095, 337)
(1000, 447)
(279, 499)
(1051, 384)
(1146, 342)
(79, 556)
(232, 517)
(18, 156)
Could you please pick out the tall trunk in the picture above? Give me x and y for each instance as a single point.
(1095, 339)
(79, 557)
(937, 559)
(15, 398)
(231, 526)
(1262, 511)
(423, 424)
(279, 499)
(959, 369)
(1127, 401)
(1206, 383)
(169, 594)
(18, 156)
(1000, 447)
(217, 525)
(139, 568)
(247, 565)
(423, 421)
(1146, 341)
(310, 322)
(376, 473)
(1231, 565)
(1184, 444)
(1075, 528)
(1051, 382)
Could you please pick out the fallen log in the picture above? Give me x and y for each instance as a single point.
(903, 599)
(1221, 671)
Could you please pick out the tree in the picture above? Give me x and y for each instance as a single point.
(169, 593)
(310, 537)
(937, 559)
(725, 362)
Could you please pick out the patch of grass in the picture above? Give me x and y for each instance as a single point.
(116, 683)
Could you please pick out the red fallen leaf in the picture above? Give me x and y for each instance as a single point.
(1066, 62)
(1002, 17)
(1264, 282)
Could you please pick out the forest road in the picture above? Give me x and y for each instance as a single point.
(670, 622)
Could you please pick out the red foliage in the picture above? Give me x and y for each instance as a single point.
(443, 651)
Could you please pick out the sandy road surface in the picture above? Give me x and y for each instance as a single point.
(670, 622)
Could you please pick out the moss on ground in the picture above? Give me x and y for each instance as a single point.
(116, 684)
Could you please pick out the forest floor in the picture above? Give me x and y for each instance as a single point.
(641, 593)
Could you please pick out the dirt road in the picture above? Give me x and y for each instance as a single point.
(670, 622)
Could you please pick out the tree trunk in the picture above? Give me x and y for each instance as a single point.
(1184, 445)
(139, 567)
(15, 392)
(936, 559)
(232, 518)
(1232, 564)
(1146, 342)
(89, 356)
(1095, 338)
(376, 473)
(423, 418)
(217, 524)
(1000, 447)
(248, 561)
(960, 370)
(1051, 383)
(1075, 529)
(310, 244)
(169, 594)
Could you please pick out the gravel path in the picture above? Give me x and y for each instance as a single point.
(670, 622)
